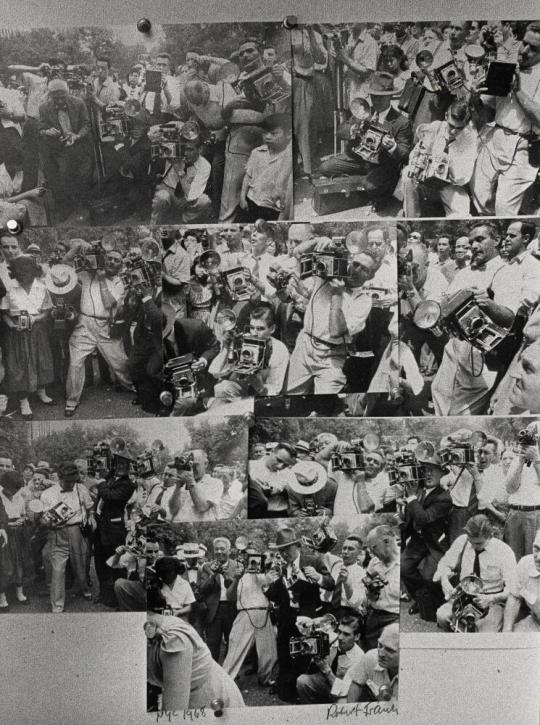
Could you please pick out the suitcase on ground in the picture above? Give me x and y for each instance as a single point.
(338, 194)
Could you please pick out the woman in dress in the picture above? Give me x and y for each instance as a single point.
(26, 307)
(18, 544)
(180, 663)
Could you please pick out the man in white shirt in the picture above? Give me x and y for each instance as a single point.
(521, 273)
(477, 552)
(463, 383)
(523, 486)
(200, 500)
(102, 292)
(526, 592)
(454, 140)
(378, 670)
(268, 380)
(181, 192)
(350, 590)
(269, 478)
(506, 167)
(330, 683)
(335, 312)
(361, 491)
(383, 603)
(65, 540)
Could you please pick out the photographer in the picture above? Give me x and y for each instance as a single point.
(190, 336)
(65, 539)
(362, 490)
(423, 523)
(463, 382)
(336, 311)
(268, 379)
(203, 492)
(526, 594)
(164, 499)
(350, 591)
(453, 143)
(269, 480)
(477, 552)
(377, 674)
(130, 593)
(330, 683)
(65, 148)
(102, 292)
(180, 192)
(312, 493)
(523, 486)
(113, 494)
(295, 588)
(217, 579)
(379, 176)
(252, 625)
(507, 164)
(382, 602)
(174, 589)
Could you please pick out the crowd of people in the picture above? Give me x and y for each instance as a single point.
(79, 301)
(263, 310)
(435, 118)
(204, 140)
(469, 318)
(450, 497)
(89, 515)
(316, 625)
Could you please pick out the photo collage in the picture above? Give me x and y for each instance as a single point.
(316, 249)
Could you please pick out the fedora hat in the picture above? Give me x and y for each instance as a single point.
(310, 477)
(425, 453)
(381, 84)
(61, 279)
(191, 550)
(302, 446)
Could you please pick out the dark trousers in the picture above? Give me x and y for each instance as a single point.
(105, 544)
(30, 142)
(219, 628)
(376, 621)
(418, 565)
(289, 669)
(379, 180)
(254, 212)
(67, 173)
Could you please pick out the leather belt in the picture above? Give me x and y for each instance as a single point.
(320, 341)
(524, 508)
(95, 317)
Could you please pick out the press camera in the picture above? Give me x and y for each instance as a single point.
(322, 540)
(332, 263)
(457, 454)
(62, 314)
(449, 76)
(374, 583)
(58, 515)
(22, 320)
(406, 469)
(91, 259)
(465, 610)
(167, 143)
(141, 273)
(180, 378)
(255, 562)
(99, 459)
(314, 644)
(425, 166)
(367, 141)
(261, 87)
(238, 283)
(113, 125)
(184, 462)
(527, 437)
(351, 459)
(279, 279)
(143, 466)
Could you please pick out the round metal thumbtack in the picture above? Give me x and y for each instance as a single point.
(217, 706)
(290, 22)
(14, 227)
(144, 25)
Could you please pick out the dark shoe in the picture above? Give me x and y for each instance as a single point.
(69, 412)
(24, 603)
(27, 416)
(5, 608)
(413, 609)
(50, 402)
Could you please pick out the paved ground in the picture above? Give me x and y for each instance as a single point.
(413, 623)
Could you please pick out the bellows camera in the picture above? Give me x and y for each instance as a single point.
(143, 465)
(351, 459)
(406, 469)
(58, 515)
(449, 76)
(367, 142)
(255, 563)
(261, 86)
(113, 126)
(99, 459)
(322, 540)
(62, 314)
(184, 462)
(279, 279)
(140, 273)
(250, 354)
(238, 284)
(332, 263)
(22, 320)
(167, 143)
(457, 454)
(179, 375)
(91, 260)
(527, 437)
(315, 644)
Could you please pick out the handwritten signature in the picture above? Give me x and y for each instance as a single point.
(367, 709)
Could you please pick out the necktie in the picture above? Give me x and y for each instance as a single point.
(375, 117)
(334, 664)
(336, 596)
(476, 565)
(160, 496)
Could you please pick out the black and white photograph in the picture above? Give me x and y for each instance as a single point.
(188, 123)
(416, 119)
(468, 325)
(81, 323)
(272, 612)
(77, 500)
(271, 309)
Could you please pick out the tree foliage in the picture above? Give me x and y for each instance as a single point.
(15, 442)
(224, 440)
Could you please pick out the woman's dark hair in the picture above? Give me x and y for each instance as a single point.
(12, 480)
(168, 568)
(24, 264)
(154, 599)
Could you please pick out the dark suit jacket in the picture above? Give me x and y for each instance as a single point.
(114, 493)
(210, 586)
(427, 521)
(399, 128)
(191, 335)
(77, 112)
